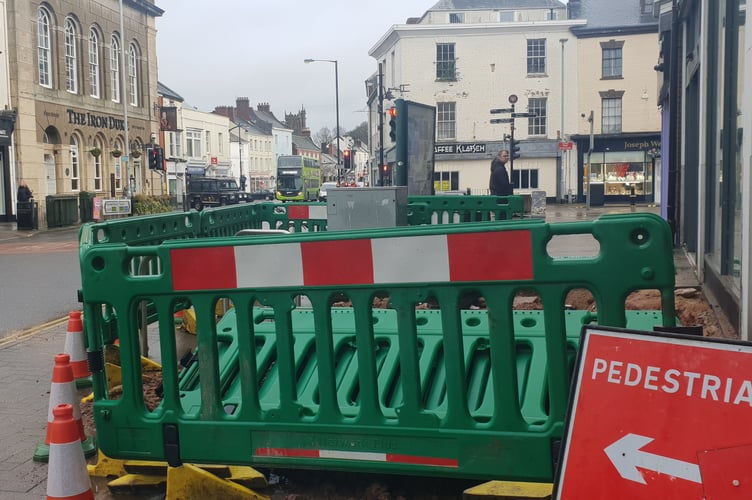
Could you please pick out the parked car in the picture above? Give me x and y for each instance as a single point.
(324, 187)
(214, 192)
(263, 194)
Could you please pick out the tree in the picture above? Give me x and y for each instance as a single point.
(360, 133)
(324, 136)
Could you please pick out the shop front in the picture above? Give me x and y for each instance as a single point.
(623, 169)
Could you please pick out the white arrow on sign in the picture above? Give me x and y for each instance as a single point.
(626, 455)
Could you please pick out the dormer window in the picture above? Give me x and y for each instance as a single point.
(456, 17)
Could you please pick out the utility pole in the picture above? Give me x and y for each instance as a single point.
(381, 125)
(589, 153)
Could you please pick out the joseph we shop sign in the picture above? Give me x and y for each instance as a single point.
(658, 416)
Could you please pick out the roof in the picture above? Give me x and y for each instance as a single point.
(166, 91)
(497, 4)
(610, 14)
(268, 118)
(304, 142)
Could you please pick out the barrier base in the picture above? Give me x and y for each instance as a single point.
(509, 490)
(191, 482)
(42, 453)
(83, 382)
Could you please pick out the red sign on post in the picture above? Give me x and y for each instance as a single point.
(566, 146)
(658, 416)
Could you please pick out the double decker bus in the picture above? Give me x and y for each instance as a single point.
(298, 178)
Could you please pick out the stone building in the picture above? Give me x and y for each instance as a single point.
(78, 73)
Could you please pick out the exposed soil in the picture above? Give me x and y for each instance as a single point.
(692, 309)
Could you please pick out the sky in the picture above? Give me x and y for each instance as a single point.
(211, 52)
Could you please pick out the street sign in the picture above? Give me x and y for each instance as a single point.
(496, 111)
(116, 206)
(502, 120)
(658, 416)
(566, 146)
(524, 115)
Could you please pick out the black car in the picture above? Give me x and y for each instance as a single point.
(263, 194)
(214, 192)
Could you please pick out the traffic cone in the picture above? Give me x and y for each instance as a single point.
(67, 475)
(75, 347)
(62, 391)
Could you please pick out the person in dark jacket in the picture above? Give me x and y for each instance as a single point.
(24, 193)
(499, 184)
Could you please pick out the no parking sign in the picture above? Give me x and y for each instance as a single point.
(658, 416)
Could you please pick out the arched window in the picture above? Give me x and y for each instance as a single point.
(98, 166)
(75, 164)
(115, 67)
(71, 57)
(44, 49)
(133, 75)
(94, 87)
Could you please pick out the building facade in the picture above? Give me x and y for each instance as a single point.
(705, 63)
(465, 59)
(76, 79)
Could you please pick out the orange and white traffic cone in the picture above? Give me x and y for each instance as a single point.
(75, 347)
(67, 475)
(62, 391)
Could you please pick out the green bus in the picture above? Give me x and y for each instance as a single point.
(298, 178)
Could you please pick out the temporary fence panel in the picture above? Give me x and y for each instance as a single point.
(305, 371)
(462, 209)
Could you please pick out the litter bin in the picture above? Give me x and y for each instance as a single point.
(27, 215)
(86, 206)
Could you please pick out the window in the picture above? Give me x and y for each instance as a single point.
(507, 16)
(115, 68)
(536, 56)
(446, 181)
(445, 62)
(193, 143)
(98, 167)
(646, 6)
(71, 57)
(173, 145)
(611, 121)
(220, 138)
(75, 164)
(208, 142)
(132, 75)
(94, 63)
(445, 120)
(537, 124)
(611, 59)
(525, 178)
(44, 50)
(456, 17)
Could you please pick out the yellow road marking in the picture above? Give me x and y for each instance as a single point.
(22, 335)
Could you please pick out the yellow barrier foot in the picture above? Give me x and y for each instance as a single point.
(509, 490)
(189, 482)
(136, 484)
(106, 466)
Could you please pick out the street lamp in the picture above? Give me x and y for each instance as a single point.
(336, 103)
(240, 156)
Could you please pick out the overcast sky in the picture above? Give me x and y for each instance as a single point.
(211, 52)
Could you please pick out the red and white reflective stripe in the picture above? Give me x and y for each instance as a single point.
(487, 256)
(307, 212)
(67, 475)
(357, 455)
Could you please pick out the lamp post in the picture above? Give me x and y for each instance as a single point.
(336, 104)
(563, 184)
(240, 156)
(124, 94)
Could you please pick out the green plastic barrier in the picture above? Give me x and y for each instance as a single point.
(289, 381)
(462, 209)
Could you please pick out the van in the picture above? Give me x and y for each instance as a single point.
(214, 192)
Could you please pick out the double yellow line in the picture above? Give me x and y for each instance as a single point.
(22, 335)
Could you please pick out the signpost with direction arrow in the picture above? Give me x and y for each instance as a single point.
(511, 110)
(658, 416)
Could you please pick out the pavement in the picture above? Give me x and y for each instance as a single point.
(26, 359)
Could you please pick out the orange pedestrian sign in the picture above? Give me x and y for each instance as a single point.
(658, 416)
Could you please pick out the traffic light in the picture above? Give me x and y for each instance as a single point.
(393, 124)
(348, 161)
(514, 149)
(156, 161)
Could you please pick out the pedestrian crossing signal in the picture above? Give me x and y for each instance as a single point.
(156, 159)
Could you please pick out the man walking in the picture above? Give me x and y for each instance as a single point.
(499, 184)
